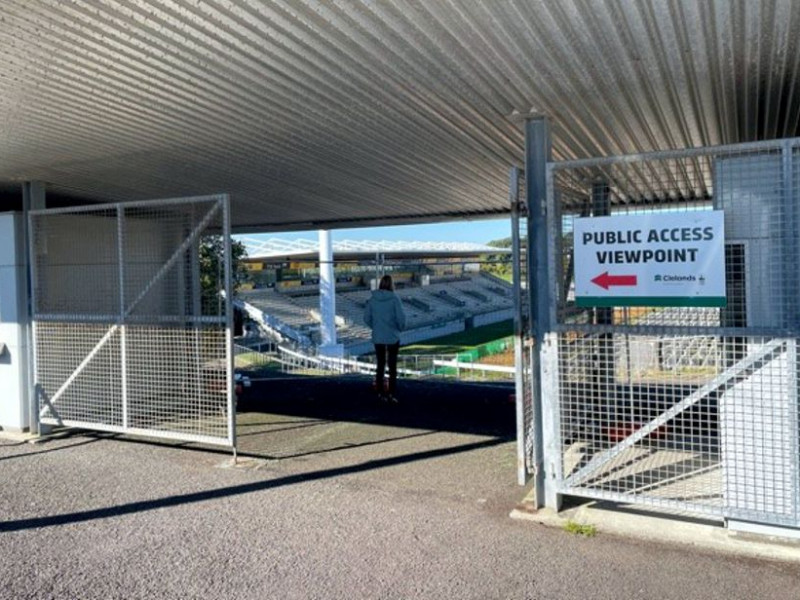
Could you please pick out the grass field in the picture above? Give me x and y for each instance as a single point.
(463, 340)
(254, 361)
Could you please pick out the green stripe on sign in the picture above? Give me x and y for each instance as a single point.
(707, 301)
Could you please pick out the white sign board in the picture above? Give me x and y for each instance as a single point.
(659, 259)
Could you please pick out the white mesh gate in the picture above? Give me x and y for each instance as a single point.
(684, 408)
(132, 318)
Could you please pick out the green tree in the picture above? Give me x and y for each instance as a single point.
(499, 264)
(502, 243)
(212, 269)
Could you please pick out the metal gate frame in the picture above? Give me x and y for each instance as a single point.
(211, 398)
(772, 500)
(528, 455)
(531, 301)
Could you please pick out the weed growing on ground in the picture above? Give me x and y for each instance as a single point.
(578, 529)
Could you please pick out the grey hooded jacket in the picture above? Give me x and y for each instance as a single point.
(384, 314)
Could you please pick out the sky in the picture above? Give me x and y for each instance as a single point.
(479, 232)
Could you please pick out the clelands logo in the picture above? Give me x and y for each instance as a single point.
(678, 279)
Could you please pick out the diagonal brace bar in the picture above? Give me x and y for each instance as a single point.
(742, 369)
(175, 256)
(113, 329)
(76, 373)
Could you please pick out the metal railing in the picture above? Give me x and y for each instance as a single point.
(298, 361)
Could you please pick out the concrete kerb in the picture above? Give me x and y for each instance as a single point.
(705, 535)
(9, 436)
(48, 434)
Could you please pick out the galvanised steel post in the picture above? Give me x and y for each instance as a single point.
(792, 318)
(520, 325)
(537, 155)
(603, 363)
(792, 281)
(123, 340)
(33, 198)
(226, 236)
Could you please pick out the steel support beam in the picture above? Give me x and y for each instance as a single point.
(537, 155)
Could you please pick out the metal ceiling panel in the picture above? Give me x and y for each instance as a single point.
(339, 112)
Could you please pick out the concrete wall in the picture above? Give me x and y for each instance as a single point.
(14, 386)
(749, 189)
(431, 331)
(413, 336)
(78, 265)
(493, 317)
(758, 419)
(70, 264)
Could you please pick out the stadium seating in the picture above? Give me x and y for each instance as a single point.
(284, 308)
(441, 302)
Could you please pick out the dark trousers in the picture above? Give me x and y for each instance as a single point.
(381, 352)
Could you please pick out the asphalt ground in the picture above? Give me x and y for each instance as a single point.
(336, 496)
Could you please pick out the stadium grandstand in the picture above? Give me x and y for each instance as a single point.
(442, 286)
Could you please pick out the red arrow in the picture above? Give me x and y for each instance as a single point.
(605, 280)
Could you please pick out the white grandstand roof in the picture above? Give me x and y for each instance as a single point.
(276, 247)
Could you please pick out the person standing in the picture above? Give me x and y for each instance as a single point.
(384, 315)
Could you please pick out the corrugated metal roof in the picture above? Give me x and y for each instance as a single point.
(352, 111)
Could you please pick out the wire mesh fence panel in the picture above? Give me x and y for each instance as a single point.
(67, 272)
(177, 380)
(670, 399)
(132, 320)
(91, 394)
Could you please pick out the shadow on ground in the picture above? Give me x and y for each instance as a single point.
(480, 409)
(117, 510)
(293, 417)
(339, 428)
